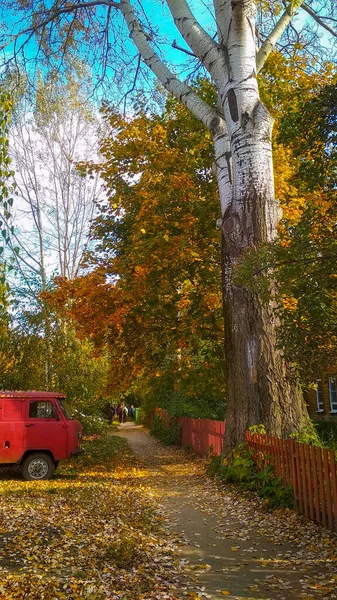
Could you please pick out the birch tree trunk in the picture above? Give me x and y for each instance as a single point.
(261, 387)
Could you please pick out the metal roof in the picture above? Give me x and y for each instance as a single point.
(29, 394)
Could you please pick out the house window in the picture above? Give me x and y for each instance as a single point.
(319, 396)
(333, 394)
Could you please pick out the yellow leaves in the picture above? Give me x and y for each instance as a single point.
(225, 593)
(184, 303)
(143, 230)
(289, 303)
(139, 271)
(86, 533)
(213, 300)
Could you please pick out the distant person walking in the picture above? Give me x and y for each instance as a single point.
(111, 413)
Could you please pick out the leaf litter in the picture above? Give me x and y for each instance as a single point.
(98, 530)
(90, 532)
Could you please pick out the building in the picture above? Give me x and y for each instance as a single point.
(322, 401)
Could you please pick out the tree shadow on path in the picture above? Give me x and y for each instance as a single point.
(232, 546)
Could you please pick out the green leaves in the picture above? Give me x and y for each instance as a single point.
(5, 172)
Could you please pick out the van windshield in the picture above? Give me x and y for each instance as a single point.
(65, 408)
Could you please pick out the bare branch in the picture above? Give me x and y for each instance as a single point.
(134, 82)
(318, 19)
(175, 45)
(272, 39)
(201, 110)
(56, 12)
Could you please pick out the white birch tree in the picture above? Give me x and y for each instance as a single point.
(54, 204)
(261, 387)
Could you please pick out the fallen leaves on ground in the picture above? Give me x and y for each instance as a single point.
(254, 553)
(90, 532)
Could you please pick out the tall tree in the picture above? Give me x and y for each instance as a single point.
(261, 386)
(49, 135)
(54, 205)
(155, 241)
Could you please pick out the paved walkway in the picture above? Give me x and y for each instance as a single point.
(232, 546)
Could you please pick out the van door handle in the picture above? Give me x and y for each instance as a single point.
(29, 424)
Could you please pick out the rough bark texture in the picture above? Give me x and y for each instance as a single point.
(261, 387)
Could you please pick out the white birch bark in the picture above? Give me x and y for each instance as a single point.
(260, 385)
(55, 204)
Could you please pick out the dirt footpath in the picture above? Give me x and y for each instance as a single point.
(232, 546)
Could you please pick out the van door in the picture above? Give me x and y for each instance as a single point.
(45, 428)
(11, 430)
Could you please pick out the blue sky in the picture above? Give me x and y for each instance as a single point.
(160, 19)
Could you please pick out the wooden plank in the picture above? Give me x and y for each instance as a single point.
(310, 483)
(279, 458)
(288, 460)
(273, 457)
(318, 515)
(294, 481)
(327, 480)
(282, 460)
(264, 448)
(277, 461)
(304, 480)
(298, 475)
(321, 486)
(334, 484)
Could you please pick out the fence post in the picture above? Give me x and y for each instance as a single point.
(328, 486)
(334, 484)
(321, 485)
(293, 473)
(310, 487)
(315, 478)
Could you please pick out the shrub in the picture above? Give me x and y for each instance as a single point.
(239, 468)
(92, 424)
(327, 433)
(168, 433)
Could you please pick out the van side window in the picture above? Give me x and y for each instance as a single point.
(42, 410)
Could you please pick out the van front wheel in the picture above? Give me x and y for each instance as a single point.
(38, 466)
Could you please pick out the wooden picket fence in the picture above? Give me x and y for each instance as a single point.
(203, 435)
(310, 471)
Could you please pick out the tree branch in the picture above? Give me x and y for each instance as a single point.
(201, 44)
(318, 19)
(208, 115)
(176, 47)
(53, 13)
(272, 39)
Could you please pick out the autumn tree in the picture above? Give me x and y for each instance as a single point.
(51, 130)
(303, 260)
(155, 241)
(49, 134)
(261, 385)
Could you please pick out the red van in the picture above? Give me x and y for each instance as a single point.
(36, 432)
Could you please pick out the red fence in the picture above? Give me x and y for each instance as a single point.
(202, 434)
(311, 472)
